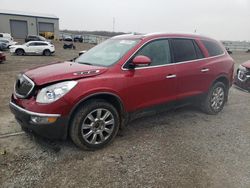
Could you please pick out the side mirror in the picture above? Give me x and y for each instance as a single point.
(141, 60)
(82, 52)
(73, 60)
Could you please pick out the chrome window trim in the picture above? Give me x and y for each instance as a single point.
(22, 96)
(176, 63)
(33, 113)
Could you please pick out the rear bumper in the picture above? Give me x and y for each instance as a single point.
(55, 130)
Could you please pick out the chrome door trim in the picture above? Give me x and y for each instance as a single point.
(205, 70)
(176, 63)
(171, 76)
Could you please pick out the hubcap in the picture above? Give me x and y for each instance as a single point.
(217, 98)
(97, 126)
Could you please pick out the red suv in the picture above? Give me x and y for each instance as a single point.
(91, 98)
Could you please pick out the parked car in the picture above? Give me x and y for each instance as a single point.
(69, 46)
(91, 98)
(7, 42)
(34, 38)
(242, 77)
(33, 47)
(67, 38)
(2, 57)
(6, 36)
(78, 38)
(3, 46)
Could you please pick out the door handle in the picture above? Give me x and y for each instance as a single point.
(205, 70)
(171, 76)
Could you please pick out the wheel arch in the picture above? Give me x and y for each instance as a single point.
(224, 79)
(19, 49)
(112, 98)
(46, 50)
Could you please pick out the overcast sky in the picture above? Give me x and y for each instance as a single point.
(221, 19)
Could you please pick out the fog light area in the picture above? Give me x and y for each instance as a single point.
(42, 120)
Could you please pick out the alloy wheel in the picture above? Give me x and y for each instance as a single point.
(217, 98)
(97, 126)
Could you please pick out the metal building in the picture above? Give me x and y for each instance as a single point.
(20, 24)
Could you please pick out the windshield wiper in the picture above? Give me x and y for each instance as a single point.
(85, 63)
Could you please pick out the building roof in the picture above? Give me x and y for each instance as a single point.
(30, 14)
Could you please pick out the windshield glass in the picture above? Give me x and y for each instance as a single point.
(107, 53)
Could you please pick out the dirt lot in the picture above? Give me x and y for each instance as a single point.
(182, 148)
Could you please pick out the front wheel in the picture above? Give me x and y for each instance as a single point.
(95, 124)
(215, 99)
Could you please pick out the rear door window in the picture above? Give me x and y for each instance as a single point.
(184, 50)
(213, 48)
(41, 44)
(199, 53)
(32, 44)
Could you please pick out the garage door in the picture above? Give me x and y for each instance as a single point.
(19, 28)
(46, 27)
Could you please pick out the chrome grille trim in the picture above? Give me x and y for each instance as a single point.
(30, 81)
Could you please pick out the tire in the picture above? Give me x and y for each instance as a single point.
(95, 124)
(20, 52)
(215, 99)
(46, 52)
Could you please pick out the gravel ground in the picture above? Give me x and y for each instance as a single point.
(181, 148)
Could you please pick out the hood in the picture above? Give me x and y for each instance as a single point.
(246, 64)
(16, 46)
(62, 71)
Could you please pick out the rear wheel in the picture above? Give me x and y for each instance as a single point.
(94, 125)
(46, 52)
(215, 99)
(20, 52)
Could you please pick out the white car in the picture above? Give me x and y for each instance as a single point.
(8, 42)
(6, 36)
(33, 47)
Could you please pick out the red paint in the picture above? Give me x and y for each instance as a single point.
(2, 57)
(246, 64)
(137, 88)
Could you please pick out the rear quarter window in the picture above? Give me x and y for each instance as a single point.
(213, 48)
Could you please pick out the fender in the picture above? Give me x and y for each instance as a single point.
(124, 114)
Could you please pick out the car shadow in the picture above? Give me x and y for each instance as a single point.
(156, 120)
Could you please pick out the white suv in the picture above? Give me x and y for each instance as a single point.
(33, 47)
(6, 36)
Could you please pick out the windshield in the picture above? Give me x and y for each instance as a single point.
(107, 53)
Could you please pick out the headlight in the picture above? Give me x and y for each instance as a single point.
(54, 92)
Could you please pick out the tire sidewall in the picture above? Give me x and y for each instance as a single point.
(47, 52)
(81, 115)
(21, 52)
(208, 99)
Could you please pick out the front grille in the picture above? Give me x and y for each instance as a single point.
(23, 86)
(243, 75)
